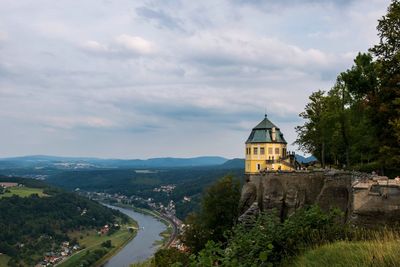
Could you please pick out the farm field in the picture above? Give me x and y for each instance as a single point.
(91, 241)
(4, 260)
(23, 192)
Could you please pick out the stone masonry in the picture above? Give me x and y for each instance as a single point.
(365, 199)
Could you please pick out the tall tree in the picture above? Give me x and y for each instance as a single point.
(219, 211)
(387, 54)
(312, 135)
(362, 83)
(358, 121)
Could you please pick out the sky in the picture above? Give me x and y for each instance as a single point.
(141, 79)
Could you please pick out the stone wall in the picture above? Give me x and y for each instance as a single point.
(286, 192)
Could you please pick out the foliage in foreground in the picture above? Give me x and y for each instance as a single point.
(167, 257)
(379, 252)
(271, 241)
(268, 242)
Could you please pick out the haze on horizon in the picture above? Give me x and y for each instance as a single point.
(141, 79)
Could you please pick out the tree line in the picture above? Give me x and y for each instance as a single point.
(356, 124)
(32, 226)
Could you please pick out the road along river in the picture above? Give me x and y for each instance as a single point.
(142, 246)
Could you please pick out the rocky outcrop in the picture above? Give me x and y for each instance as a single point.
(286, 192)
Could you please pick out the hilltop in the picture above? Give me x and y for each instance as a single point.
(42, 161)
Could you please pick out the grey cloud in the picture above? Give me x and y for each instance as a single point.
(114, 77)
(286, 3)
(162, 19)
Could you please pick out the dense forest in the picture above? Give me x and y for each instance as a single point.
(189, 182)
(31, 226)
(356, 124)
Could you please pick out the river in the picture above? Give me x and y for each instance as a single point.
(141, 247)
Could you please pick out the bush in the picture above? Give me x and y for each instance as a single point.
(168, 257)
(269, 241)
(106, 244)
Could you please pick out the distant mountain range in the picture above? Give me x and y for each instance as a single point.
(239, 163)
(40, 161)
(233, 164)
(302, 159)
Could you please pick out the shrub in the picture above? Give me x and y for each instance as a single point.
(168, 257)
(106, 244)
(270, 241)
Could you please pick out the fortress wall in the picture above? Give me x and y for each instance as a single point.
(288, 191)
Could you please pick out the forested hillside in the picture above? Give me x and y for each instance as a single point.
(189, 182)
(31, 226)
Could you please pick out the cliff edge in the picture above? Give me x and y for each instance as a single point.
(365, 199)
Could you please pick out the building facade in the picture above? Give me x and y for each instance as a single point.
(266, 149)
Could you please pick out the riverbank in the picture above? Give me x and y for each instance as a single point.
(95, 249)
(143, 246)
(168, 235)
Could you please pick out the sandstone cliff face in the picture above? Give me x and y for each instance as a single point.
(287, 192)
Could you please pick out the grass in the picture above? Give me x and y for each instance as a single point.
(4, 260)
(379, 252)
(165, 236)
(146, 263)
(23, 191)
(91, 241)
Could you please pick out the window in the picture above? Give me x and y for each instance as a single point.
(277, 151)
(256, 151)
(262, 151)
(284, 152)
(270, 150)
(258, 167)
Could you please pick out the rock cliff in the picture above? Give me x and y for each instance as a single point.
(365, 199)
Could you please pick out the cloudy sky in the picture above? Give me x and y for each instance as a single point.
(139, 79)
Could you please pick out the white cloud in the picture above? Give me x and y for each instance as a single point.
(122, 46)
(136, 44)
(95, 46)
(74, 122)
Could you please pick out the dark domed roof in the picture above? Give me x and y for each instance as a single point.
(262, 133)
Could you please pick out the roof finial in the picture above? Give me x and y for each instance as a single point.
(265, 112)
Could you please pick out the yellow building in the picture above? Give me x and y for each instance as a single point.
(266, 149)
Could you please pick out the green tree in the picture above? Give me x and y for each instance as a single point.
(219, 211)
(167, 257)
(357, 122)
(387, 54)
(362, 83)
(312, 135)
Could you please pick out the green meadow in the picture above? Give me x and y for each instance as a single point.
(23, 191)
